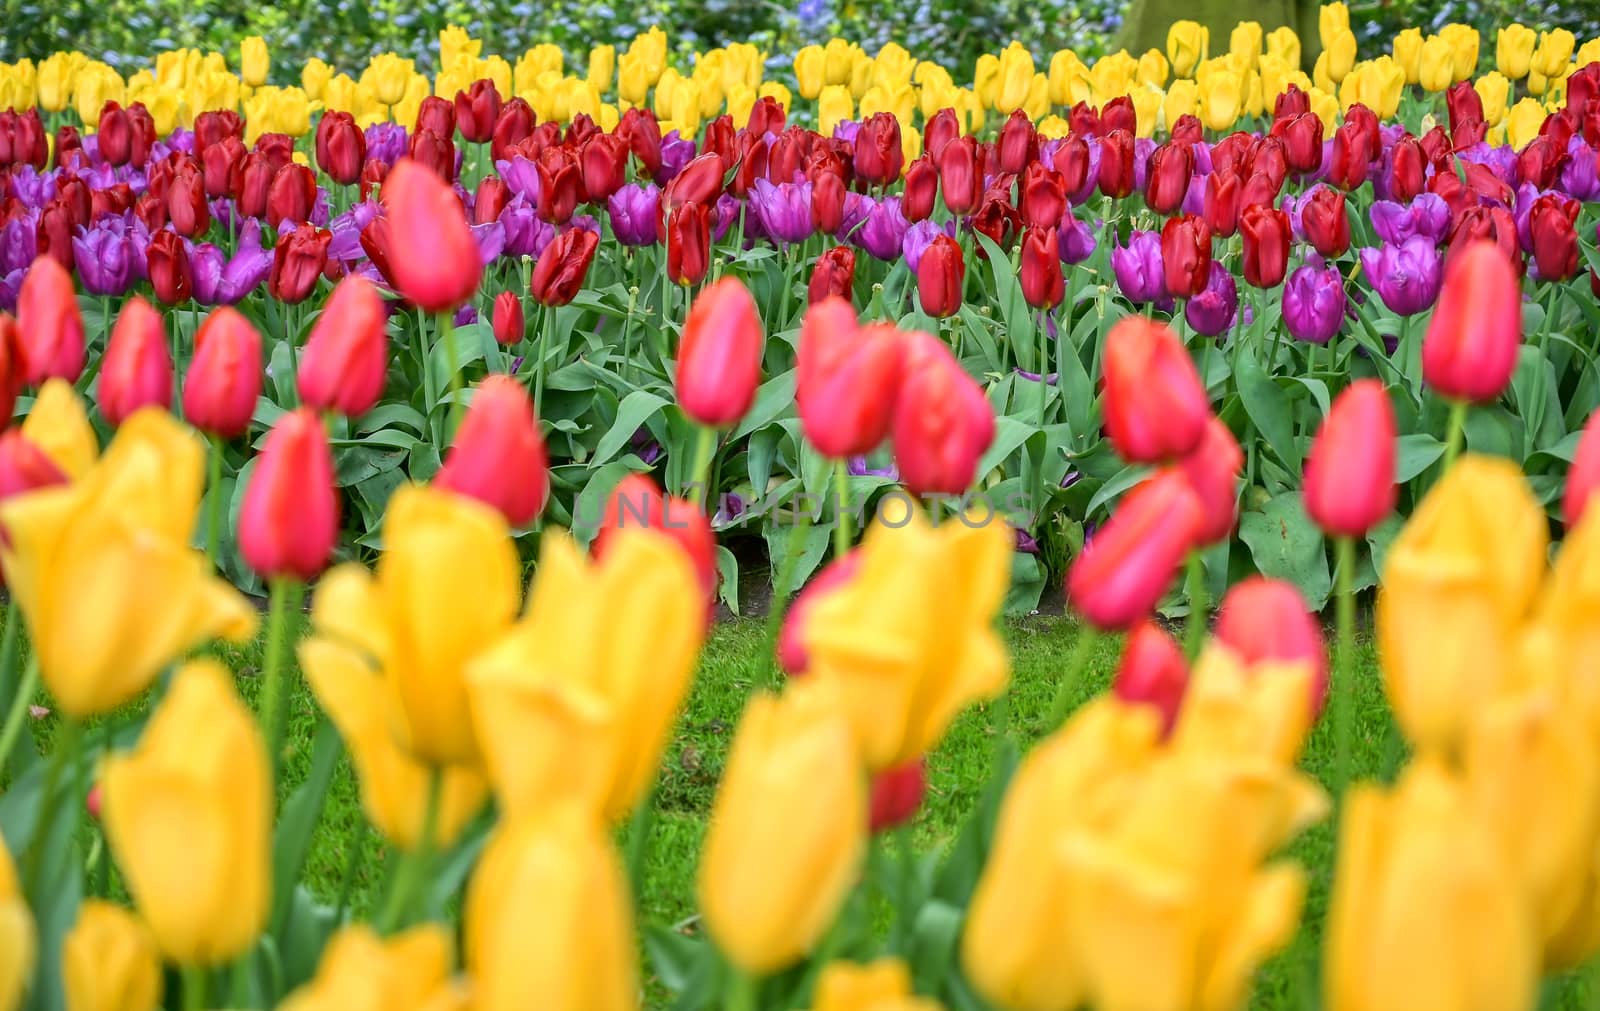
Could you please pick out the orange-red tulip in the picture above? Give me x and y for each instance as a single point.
(224, 379)
(289, 519)
(1350, 471)
(498, 456)
(346, 358)
(136, 370)
(1155, 407)
(719, 359)
(1476, 329)
(49, 324)
(433, 257)
(1123, 570)
(846, 380)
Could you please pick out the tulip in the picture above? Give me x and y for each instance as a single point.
(943, 423)
(896, 796)
(1043, 286)
(1475, 332)
(1213, 311)
(791, 781)
(719, 356)
(222, 165)
(59, 427)
(1171, 166)
(791, 649)
(1152, 673)
(847, 380)
(204, 905)
(423, 214)
(783, 211)
(636, 503)
(560, 185)
(1406, 854)
(1314, 303)
(1155, 406)
(1121, 574)
(1138, 268)
(833, 275)
(1186, 255)
(1327, 228)
(635, 213)
(1584, 475)
(1044, 197)
(1555, 239)
(1071, 162)
(498, 456)
(297, 263)
(827, 203)
(289, 519)
(48, 324)
(1514, 50)
(136, 370)
(109, 961)
(408, 970)
(224, 377)
(341, 147)
(1267, 235)
(186, 200)
(959, 178)
(940, 278)
(879, 155)
(490, 200)
(1302, 141)
(688, 243)
(1350, 471)
(346, 357)
(1467, 566)
(1116, 164)
(562, 267)
(1212, 469)
(922, 189)
(508, 324)
(1348, 164)
(1406, 275)
(477, 110)
(169, 268)
(1265, 620)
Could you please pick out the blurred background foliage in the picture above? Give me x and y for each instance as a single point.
(128, 33)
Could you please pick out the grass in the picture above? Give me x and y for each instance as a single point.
(735, 662)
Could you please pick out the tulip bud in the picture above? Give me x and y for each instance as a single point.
(1555, 239)
(346, 357)
(959, 178)
(186, 200)
(791, 646)
(498, 456)
(292, 195)
(1043, 286)
(833, 276)
(109, 961)
(1171, 166)
(168, 265)
(1152, 672)
(897, 795)
(1044, 196)
(1267, 235)
(559, 274)
(1212, 469)
(1350, 471)
(848, 377)
(477, 111)
(1186, 255)
(943, 423)
(879, 155)
(509, 327)
(297, 263)
(793, 781)
(688, 243)
(224, 377)
(289, 519)
(922, 189)
(1584, 475)
(1266, 620)
(136, 371)
(49, 325)
(1326, 225)
(719, 356)
(341, 147)
(437, 264)
(1155, 406)
(827, 203)
(1116, 164)
(1474, 334)
(1121, 573)
(941, 277)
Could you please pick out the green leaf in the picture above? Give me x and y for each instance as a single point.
(1009, 435)
(1269, 407)
(298, 820)
(728, 578)
(1415, 454)
(672, 956)
(933, 943)
(1286, 545)
(636, 408)
(772, 398)
(1125, 478)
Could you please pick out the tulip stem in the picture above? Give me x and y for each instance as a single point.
(274, 713)
(64, 752)
(24, 696)
(705, 447)
(214, 505)
(780, 588)
(1455, 433)
(194, 988)
(842, 536)
(416, 867)
(447, 333)
(1195, 627)
(639, 830)
(741, 991)
(1068, 688)
(541, 348)
(1344, 691)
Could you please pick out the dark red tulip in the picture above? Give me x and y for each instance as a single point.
(1455, 193)
(151, 211)
(1018, 145)
(833, 275)
(167, 263)
(1043, 286)
(1350, 471)
(1152, 672)
(688, 243)
(29, 145)
(605, 166)
(113, 200)
(341, 147)
(700, 182)
(1270, 157)
(1116, 164)
(255, 181)
(372, 175)
(53, 234)
(750, 165)
(297, 263)
(1347, 165)
(514, 124)
(498, 456)
(998, 219)
(1364, 122)
(115, 134)
(492, 196)
(1267, 235)
(719, 139)
(435, 151)
(1325, 222)
(581, 130)
(560, 185)
(940, 277)
(1083, 120)
(1538, 164)
(292, 196)
(509, 322)
(477, 110)
(766, 116)
(827, 203)
(1185, 254)
(1492, 223)
(73, 194)
(222, 165)
(278, 147)
(1119, 114)
(1223, 191)
(922, 189)
(959, 178)
(1044, 196)
(562, 267)
(1290, 102)
(1121, 573)
(788, 156)
(187, 207)
(544, 135)
(1071, 161)
(879, 156)
(1552, 223)
(436, 114)
(1167, 181)
(939, 131)
(142, 133)
(1302, 141)
(1233, 153)
(1408, 169)
(639, 129)
(211, 127)
(1583, 86)
(1187, 130)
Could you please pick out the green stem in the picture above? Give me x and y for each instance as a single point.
(780, 590)
(64, 752)
(540, 350)
(639, 831)
(1068, 688)
(447, 333)
(1344, 689)
(214, 506)
(417, 867)
(9, 689)
(19, 709)
(842, 535)
(1195, 628)
(1455, 433)
(292, 316)
(740, 994)
(705, 448)
(352, 863)
(273, 709)
(194, 988)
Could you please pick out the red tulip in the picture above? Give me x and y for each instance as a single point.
(1152, 673)
(749, 165)
(224, 378)
(1291, 101)
(700, 182)
(605, 166)
(48, 323)
(1538, 164)
(560, 185)
(1223, 190)
(434, 151)
(827, 203)
(477, 111)
(1044, 196)
(212, 127)
(922, 189)
(689, 243)
(1119, 114)
(1071, 162)
(222, 166)
(1552, 223)
(435, 262)
(1121, 573)
(372, 175)
(1265, 620)
(637, 504)
(1492, 223)
(1473, 336)
(30, 146)
(580, 131)
(167, 263)
(1408, 168)
(1584, 476)
(346, 357)
(24, 467)
(1043, 286)
(136, 370)
(1186, 254)
(114, 133)
(1116, 164)
(1018, 144)
(1171, 166)
(492, 196)
(1188, 130)
(53, 235)
(1155, 406)
(1347, 166)
(509, 325)
(766, 116)
(12, 367)
(1326, 225)
(879, 156)
(278, 147)
(498, 456)
(514, 125)
(1302, 141)
(833, 275)
(791, 648)
(436, 114)
(289, 518)
(1212, 469)
(254, 182)
(1083, 120)
(943, 423)
(897, 795)
(959, 177)
(559, 274)
(941, 276)
(638, 127)
(1350, 471)
(187, 208)
(341, 147)
(846, 379)
(115, 199)
(1267, 235)
(297, 263)
(719, 139)
(939, 131)
(719, 357)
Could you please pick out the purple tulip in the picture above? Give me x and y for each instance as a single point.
(846, 130)
(1139, 269)
(1212, 311)
(1194, 198)
(1405, 275)
(491, 240)
(521, 177)
(919, 237)
(884, 229)
(386, 142)
(858, 467)
(724, 215)
(1143, 148)
(110, 256)
(19, 242)
(636, 214)
(1025, 542)
(1314, 303)
(1427, 216)
(526, 235)
(1578, 176)
(346, 228)
(1502, 160)
(1074, 239)
(219, 280)
(784, 209)
(10, 288)
(33, 188)
(675, 154)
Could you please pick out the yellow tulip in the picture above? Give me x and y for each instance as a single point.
(1053, 128)
(1407, 51)
(884, 985)
(1285, 45)
(1513, 50)
(1523, 122)
(906, 657)
(1341, 55)
(1221, 100)
(96, 85)
(116, 543)
(608, 118)
(390, 77)
(1147, 102)
(1425, 911)
(666, 93)
(860, 74)
(1183, 99)
(936, 95)
(1109, 78)
(1153, 68)
(172, 68)
(455, 43)
(1463, 41)
(792, 795)
(188, 816)
(445, 587)
(1554, 52)
(213, 92)
(893, 65)
(811, 71)
(651, 48)
(833, 107)
(1437, 67)
(314, 77)
(59, 425)
(254, 61)
(568, 705)
(602, 67)
(1466, 567)
(18, 939)
(1016, 77)
(498, 71)
(55, 82)
(1493, 91)
(1565, 608)
(109, 961)
(1245, 42)
(1587, 53)
(1387, 86)
(840, 58)
(740, 101)
(1065, 67)
(549, 897)
(986, 79)
(1187, 44)
(359, 969)
(633, 80)
(1015, 948)
(1037, 104)
(1332, 20)
(1260, 712)
(970, 110)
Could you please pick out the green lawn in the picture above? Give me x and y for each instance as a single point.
(735, 661)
